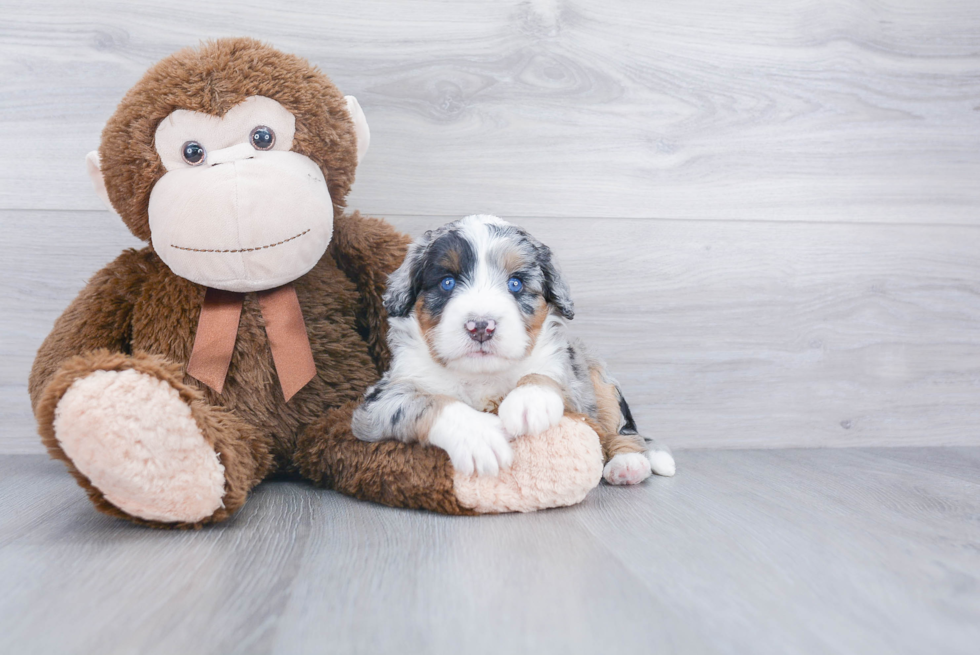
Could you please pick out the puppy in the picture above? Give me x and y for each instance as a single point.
(477, 316)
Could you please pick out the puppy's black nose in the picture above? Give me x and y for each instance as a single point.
(481, 330)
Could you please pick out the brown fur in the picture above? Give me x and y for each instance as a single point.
(135, 313)
(393, 473)
(617, 444)
(610, 416)
(510, 260)
(451, 261)
(607, 402)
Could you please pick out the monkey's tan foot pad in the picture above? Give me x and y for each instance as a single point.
(135, 440)
(553, 469)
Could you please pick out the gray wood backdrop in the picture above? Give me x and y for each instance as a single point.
(768, 212)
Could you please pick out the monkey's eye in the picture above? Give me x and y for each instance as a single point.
(448, 283)
(262, 138)
(514, 285)
(193, 153)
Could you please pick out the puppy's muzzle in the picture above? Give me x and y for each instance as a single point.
(480, 330)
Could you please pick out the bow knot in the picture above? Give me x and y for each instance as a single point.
(217, 330)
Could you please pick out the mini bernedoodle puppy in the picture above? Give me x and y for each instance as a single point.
(477, 317)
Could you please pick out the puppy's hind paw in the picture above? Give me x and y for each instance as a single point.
(662, 462)
(627, 468)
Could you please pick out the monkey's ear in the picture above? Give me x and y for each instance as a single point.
(95, 173)
(360, 126)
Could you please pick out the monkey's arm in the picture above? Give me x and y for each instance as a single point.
(367, 250)
(99, 318)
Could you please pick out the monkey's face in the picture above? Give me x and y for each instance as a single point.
(237, 209)
(231, 158)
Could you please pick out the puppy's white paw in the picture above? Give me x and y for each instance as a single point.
(627, 468)
(662, 462)
(475, 441)
(530, 409)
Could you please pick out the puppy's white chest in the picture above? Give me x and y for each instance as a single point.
(486, 393)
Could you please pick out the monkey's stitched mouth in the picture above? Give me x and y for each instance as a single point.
(271, 245)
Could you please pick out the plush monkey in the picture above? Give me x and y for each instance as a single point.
(237, 343)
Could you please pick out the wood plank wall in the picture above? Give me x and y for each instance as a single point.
(768, 212)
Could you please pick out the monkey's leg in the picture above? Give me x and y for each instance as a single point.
(553, 469)
(145, 446)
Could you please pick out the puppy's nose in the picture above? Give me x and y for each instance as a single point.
(481, 330)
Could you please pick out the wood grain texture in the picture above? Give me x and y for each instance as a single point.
(723, 334)
(788, 551)
(819, 110)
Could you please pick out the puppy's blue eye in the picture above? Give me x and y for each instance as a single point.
(514, 285)
(447, 284)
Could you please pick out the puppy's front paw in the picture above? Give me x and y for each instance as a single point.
(627, 468)
(530, 409)
(475, 441)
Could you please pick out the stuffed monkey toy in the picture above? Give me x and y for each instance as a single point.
(237, 343)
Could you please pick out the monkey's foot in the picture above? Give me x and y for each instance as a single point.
(135, 440)
(555, 468)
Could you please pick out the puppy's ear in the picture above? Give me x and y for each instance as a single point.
(405, 283)
(401, 293)
(556, 290)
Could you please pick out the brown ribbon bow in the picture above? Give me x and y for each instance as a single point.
(217, 331)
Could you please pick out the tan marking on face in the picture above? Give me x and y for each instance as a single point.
(428, 323)
(429, 415)
(533, 324)
(451, 261)
(511, 260)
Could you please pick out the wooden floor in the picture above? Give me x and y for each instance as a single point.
(775, 551)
